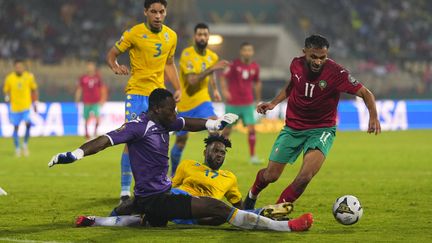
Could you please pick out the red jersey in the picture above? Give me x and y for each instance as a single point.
(91, 88)
(312, 103)
(240, 78)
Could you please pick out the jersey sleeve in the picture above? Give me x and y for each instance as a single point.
(347, 83)
(6, 86)
(186, 63)
(125, 41)
(127, 132)
(174, 46)
(177, 125)
(233, 195)
(180, 174)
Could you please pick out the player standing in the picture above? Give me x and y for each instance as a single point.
(310, 125)
(238, 85)
(93, 91)
(20, 89)
(151, 48)
(197, 66)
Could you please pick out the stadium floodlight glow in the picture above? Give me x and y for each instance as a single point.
(215, 40)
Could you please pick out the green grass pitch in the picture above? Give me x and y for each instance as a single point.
(391, 174)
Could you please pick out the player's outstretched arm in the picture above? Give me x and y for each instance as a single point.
(283, 94)
(172, 74)
(197, 124)
(369, 100)
(88, 148)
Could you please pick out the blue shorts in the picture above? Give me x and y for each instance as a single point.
(17, 117)
(177, 191)
(204, 110)
(135, 105)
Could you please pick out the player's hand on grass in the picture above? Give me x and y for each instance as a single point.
(66, 157)
(221, 123)
(374, 126)
(120, 69)
(262, 108)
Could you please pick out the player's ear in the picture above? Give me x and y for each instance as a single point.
(145, 12)
(304, 51)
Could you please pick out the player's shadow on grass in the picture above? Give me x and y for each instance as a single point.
(32, 229)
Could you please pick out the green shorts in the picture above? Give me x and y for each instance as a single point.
(290, 143)
(245, 112)
(93, 108)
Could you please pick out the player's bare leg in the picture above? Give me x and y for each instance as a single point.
(312, 162)
(251, 141)
(205, 207)
(16, 141)
(263, 178)
(25, 149)
(96, 126)
(176, 152)
(86, 133)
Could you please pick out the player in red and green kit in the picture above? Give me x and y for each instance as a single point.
(310, 125)
(239, 83)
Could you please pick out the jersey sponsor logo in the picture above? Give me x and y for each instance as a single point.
(352, 80)
(189, 65)
(322, 84)
(144, 36)
(298, 77)
(166, 35)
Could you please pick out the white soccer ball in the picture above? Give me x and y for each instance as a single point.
(347, 210)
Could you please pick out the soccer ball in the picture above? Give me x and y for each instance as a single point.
(347, 210)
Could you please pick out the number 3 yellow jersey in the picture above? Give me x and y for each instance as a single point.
(193, 63)
(199, 180)
(148, 53)
(19, 89)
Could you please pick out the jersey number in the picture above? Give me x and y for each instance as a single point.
(215, 173)
(158, 49)
(309, 89)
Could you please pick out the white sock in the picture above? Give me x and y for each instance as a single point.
(130, 220)
(252, 196)
(247, 220)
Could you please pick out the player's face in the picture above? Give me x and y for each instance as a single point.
(315, 58)
(166, 112)
(201, 38)
(91, 68)
(215, 155)
(155, 14)
(19, 68)
(247, 52)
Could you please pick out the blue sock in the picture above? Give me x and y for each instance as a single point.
(27, 134)
(126, 174)
(16, 139)
(176, 154)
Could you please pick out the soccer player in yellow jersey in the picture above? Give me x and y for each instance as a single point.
(20, 89)
(197, 66)
(151, 47)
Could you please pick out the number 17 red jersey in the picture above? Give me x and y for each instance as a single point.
(313, 101)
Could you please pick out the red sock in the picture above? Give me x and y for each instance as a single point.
(290, 194)
(251, 140)
(259, 183)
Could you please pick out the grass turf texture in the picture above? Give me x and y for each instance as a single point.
(391, 174)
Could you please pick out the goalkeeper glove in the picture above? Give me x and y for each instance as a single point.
(66, 158)
(221, 123)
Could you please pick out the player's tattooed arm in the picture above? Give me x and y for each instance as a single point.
(369, 100)
(283, 94)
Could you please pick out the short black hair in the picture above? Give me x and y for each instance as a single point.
(158, 96)
(245, 43)
(201, 26)
(148, 3)
(316, 41)
(18, 60)
(217, 138)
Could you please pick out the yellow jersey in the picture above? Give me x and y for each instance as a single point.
(148, 53)
(193, 63)
(19, 89)
(199, 180)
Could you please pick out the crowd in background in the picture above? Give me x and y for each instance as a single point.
(383, 37)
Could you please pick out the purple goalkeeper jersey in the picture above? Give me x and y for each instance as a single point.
(148, 145)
